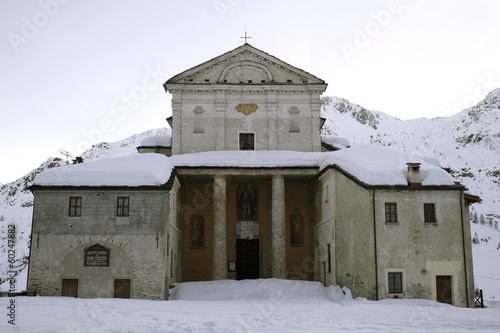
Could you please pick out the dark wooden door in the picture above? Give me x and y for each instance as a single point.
(247, 259)
(122, 288)
(70, 287)
(443, 289)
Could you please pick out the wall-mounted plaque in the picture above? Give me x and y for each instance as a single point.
(231, 266)
(96, 255)
(247, 229)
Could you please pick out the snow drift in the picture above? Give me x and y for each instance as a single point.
(259, 289)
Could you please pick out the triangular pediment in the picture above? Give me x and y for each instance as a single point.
(245, 65)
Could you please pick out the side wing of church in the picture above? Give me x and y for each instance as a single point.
(246, 192)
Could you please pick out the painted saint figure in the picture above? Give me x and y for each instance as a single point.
(246, 202)
(197, 232)
(297, 235)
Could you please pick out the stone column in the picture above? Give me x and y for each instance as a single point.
(278, 249)
(219, 268)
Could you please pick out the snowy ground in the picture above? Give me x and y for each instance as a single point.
(264, 305)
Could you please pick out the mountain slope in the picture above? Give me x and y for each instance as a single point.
(16, 206)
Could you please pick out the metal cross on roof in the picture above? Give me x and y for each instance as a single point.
(246, 37)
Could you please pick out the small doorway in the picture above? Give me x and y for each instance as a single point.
(70, 287)
(443, 289)
(247, 259)
(122, 288)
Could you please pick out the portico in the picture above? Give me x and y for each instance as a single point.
(252, 221)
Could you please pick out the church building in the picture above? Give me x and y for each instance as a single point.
(246, 188)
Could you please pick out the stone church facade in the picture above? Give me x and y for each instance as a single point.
(253, 194)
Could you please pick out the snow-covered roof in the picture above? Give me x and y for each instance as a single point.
(135, 170)
(370, 164)
(335, 141)
(247, 159)
(157, 141)
(376, 165)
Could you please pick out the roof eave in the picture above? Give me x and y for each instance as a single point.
(471, 198)
(389, 186)
(35, 187)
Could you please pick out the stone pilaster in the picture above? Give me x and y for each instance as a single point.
(272, 122)
(278, 228)
(220, 120)
(177, 121)
(316, 121)
(219, 268)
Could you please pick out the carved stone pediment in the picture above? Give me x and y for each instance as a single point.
(244, 65)
(246, 72)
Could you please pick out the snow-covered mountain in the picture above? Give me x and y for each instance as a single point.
(468, 143)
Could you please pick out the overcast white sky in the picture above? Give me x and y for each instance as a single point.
(77, 72)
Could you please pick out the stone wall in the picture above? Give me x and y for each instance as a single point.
(362, 260)
(432, 248)
(283, 120)
(353, 236)
(137, 243)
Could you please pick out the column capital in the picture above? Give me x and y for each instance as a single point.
(219, 176)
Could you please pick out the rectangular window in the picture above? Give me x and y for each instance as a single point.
(391, 212)
(75, 206)
(395, 280)
(247, 141)
(429, 213)
(122, 206)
